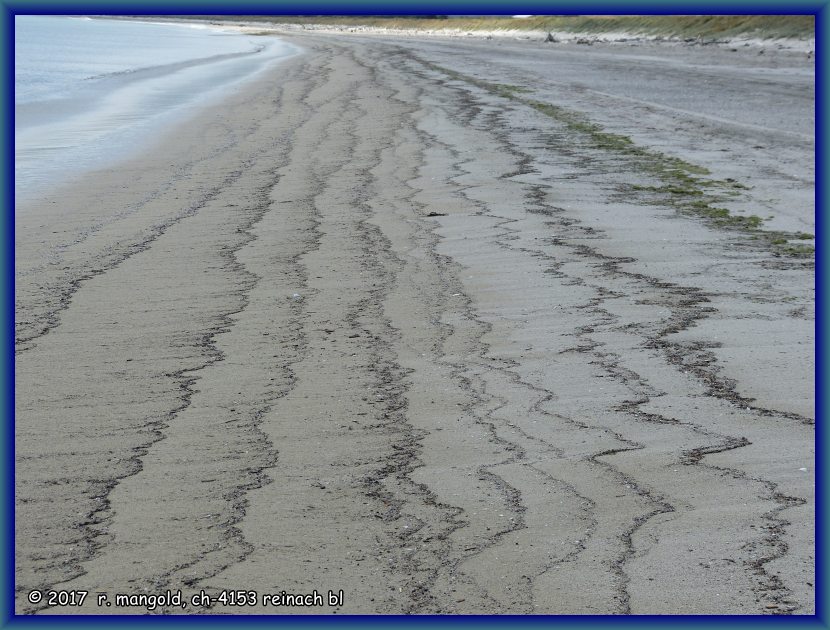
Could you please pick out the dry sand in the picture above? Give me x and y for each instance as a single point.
(368, 326)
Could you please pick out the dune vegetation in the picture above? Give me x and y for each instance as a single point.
(676, 26)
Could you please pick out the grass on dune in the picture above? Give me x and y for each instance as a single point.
(680, 26)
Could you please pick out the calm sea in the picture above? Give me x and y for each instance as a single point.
(89, 92)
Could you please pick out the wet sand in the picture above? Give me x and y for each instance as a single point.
(369, 326)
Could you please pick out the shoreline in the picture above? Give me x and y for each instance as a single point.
(114, 117)
(377, 323)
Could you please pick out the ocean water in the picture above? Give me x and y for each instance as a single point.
(90, 92)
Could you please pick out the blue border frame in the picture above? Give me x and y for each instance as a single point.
(822, 23)
(8, 9)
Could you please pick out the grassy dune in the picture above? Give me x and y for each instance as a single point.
(706, 26)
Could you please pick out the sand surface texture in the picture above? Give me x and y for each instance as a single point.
(376, 325)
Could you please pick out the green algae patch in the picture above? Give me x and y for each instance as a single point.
(687, 187)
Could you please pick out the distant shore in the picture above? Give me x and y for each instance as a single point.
(453, 327)
(795, 32)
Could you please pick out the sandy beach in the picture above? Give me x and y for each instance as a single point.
(456, 327)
